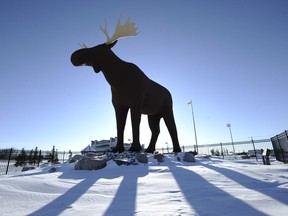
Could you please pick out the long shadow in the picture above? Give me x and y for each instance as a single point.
(64, 201)
(127, 190)
(125, 198)
(206, 199)
(252, 183)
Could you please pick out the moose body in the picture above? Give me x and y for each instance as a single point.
(131, 89)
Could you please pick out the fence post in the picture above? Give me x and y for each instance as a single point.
(39, 158)
(9, 160)
(254, 149)
(53, 155)
(222, 153)
(70, 154)
(281, 150)
(287, 144)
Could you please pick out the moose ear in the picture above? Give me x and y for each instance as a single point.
(112, 44)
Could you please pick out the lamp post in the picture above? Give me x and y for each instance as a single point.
(229, 126)
(167, 147)
(190, 104)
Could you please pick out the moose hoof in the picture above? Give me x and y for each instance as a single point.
(150, 150)
(176, 150)
(116, 149)
(135, 149)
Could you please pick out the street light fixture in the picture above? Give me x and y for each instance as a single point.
(229, 126)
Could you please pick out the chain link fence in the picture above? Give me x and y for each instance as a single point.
(280, 146)
(10, 162)
(13, 160)
(249, 148)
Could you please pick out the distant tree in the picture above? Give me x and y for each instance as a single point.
(212, 152)
(30, 157)
(40, 157)
(53, 156)
(4, 154)
(35, 156)
(21, 158)
(56, 159)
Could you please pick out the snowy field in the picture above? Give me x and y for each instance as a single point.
(210, 186)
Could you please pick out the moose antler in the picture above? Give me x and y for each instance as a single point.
(122, 31)
(83, 45)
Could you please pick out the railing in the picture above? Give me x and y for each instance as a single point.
(13, 160)
(280, 146)
(8, 157)
(251, 147)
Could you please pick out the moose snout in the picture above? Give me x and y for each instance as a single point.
(77, 59)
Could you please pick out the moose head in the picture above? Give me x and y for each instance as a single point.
(95, 56)
(131, 90)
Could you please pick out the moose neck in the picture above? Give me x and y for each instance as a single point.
(112, 67)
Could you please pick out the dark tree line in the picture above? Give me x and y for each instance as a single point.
(34, 157)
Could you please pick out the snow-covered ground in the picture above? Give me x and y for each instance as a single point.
(210, 186)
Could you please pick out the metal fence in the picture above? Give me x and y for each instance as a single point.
(8, 157)
(280, 146)
(13, 160)
(248, 147)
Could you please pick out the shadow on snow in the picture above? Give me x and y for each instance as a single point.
(127, 189)
(204, 197)
(267, 188)
(207, 199)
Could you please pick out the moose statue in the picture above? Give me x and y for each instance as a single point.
(131, 89)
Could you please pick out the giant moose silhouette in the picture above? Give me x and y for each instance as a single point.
(131, 89)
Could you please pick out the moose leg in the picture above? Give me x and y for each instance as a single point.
(153, 121)
(121, 115)
(135, 119)
(170, 123)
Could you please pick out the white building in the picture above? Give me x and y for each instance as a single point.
(252, 153)
(106, 145)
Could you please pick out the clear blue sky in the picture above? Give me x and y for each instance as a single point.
(229, 57)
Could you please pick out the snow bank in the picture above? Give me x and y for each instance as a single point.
(210, 186)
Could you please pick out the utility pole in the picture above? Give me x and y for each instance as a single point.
(229, 126)
(190, 104)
